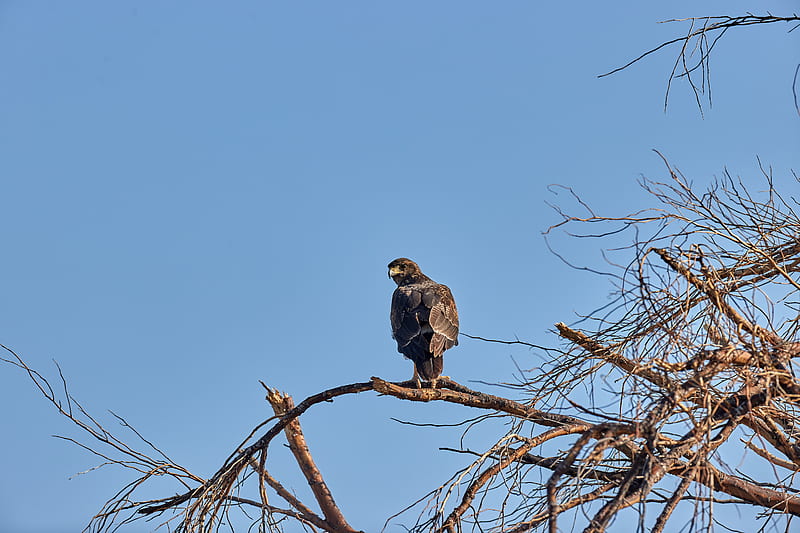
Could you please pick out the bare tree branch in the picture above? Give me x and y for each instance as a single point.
(282, 404)
(696, 47)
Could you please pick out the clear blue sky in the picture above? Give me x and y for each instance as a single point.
(198, 195)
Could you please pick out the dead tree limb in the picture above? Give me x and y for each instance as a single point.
(334, 519)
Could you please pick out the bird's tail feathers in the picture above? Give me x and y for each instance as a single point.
(430, 368)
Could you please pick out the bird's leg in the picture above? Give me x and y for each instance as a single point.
(433, 382)
(415, 378)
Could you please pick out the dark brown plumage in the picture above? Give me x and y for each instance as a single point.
(424, 318)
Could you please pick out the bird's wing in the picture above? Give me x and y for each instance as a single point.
(405, 324)
(443, 318)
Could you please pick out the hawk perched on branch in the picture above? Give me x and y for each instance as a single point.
(424, 318)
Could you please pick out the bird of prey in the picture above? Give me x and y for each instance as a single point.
(424, 319)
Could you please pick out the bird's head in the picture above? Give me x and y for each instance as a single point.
(404, 270)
